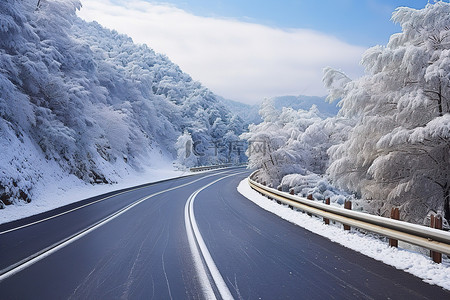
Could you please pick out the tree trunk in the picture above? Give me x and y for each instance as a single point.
(440, 100)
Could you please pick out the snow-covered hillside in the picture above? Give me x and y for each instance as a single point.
(78, 100)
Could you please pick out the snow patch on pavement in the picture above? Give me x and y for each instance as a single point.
(368, 244)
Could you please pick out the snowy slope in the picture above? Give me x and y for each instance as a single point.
(82, 102)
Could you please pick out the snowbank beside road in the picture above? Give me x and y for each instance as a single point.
(369, 245)
(71, 189)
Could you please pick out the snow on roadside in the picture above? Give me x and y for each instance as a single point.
(411, 262)
(71, 189)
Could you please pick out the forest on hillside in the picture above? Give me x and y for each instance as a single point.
(80, 100)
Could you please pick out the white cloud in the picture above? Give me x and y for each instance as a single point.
(237, 60)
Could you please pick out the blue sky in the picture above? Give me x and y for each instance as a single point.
(361, 22)
(248, 50)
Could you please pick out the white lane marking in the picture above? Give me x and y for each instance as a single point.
(99, 200)
(32, 259)
(207, 290)
(195, 238)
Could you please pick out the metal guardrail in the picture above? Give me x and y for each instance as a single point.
(206, 168)
(430, 238)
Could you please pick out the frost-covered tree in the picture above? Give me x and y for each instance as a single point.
(186, 156)
(312, 145)
(275, 145)
(399, 151)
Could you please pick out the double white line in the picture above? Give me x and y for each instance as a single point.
(200, 253)
(32, 259)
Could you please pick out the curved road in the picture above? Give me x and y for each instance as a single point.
(193, 237)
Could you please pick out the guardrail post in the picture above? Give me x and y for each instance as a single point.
(436, 222)
(326, 220)
(309, 197)
(347, 205)
(395, 214)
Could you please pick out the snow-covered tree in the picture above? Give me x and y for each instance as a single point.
(275, 145)
(399, 151)
(313, 144)
(186, 157)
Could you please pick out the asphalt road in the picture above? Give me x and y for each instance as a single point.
(189, 238)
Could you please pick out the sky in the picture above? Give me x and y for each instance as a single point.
(254, 49)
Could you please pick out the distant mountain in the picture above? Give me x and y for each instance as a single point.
(250, 113)
(305, 102)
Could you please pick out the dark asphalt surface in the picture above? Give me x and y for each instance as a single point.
(144, 252)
